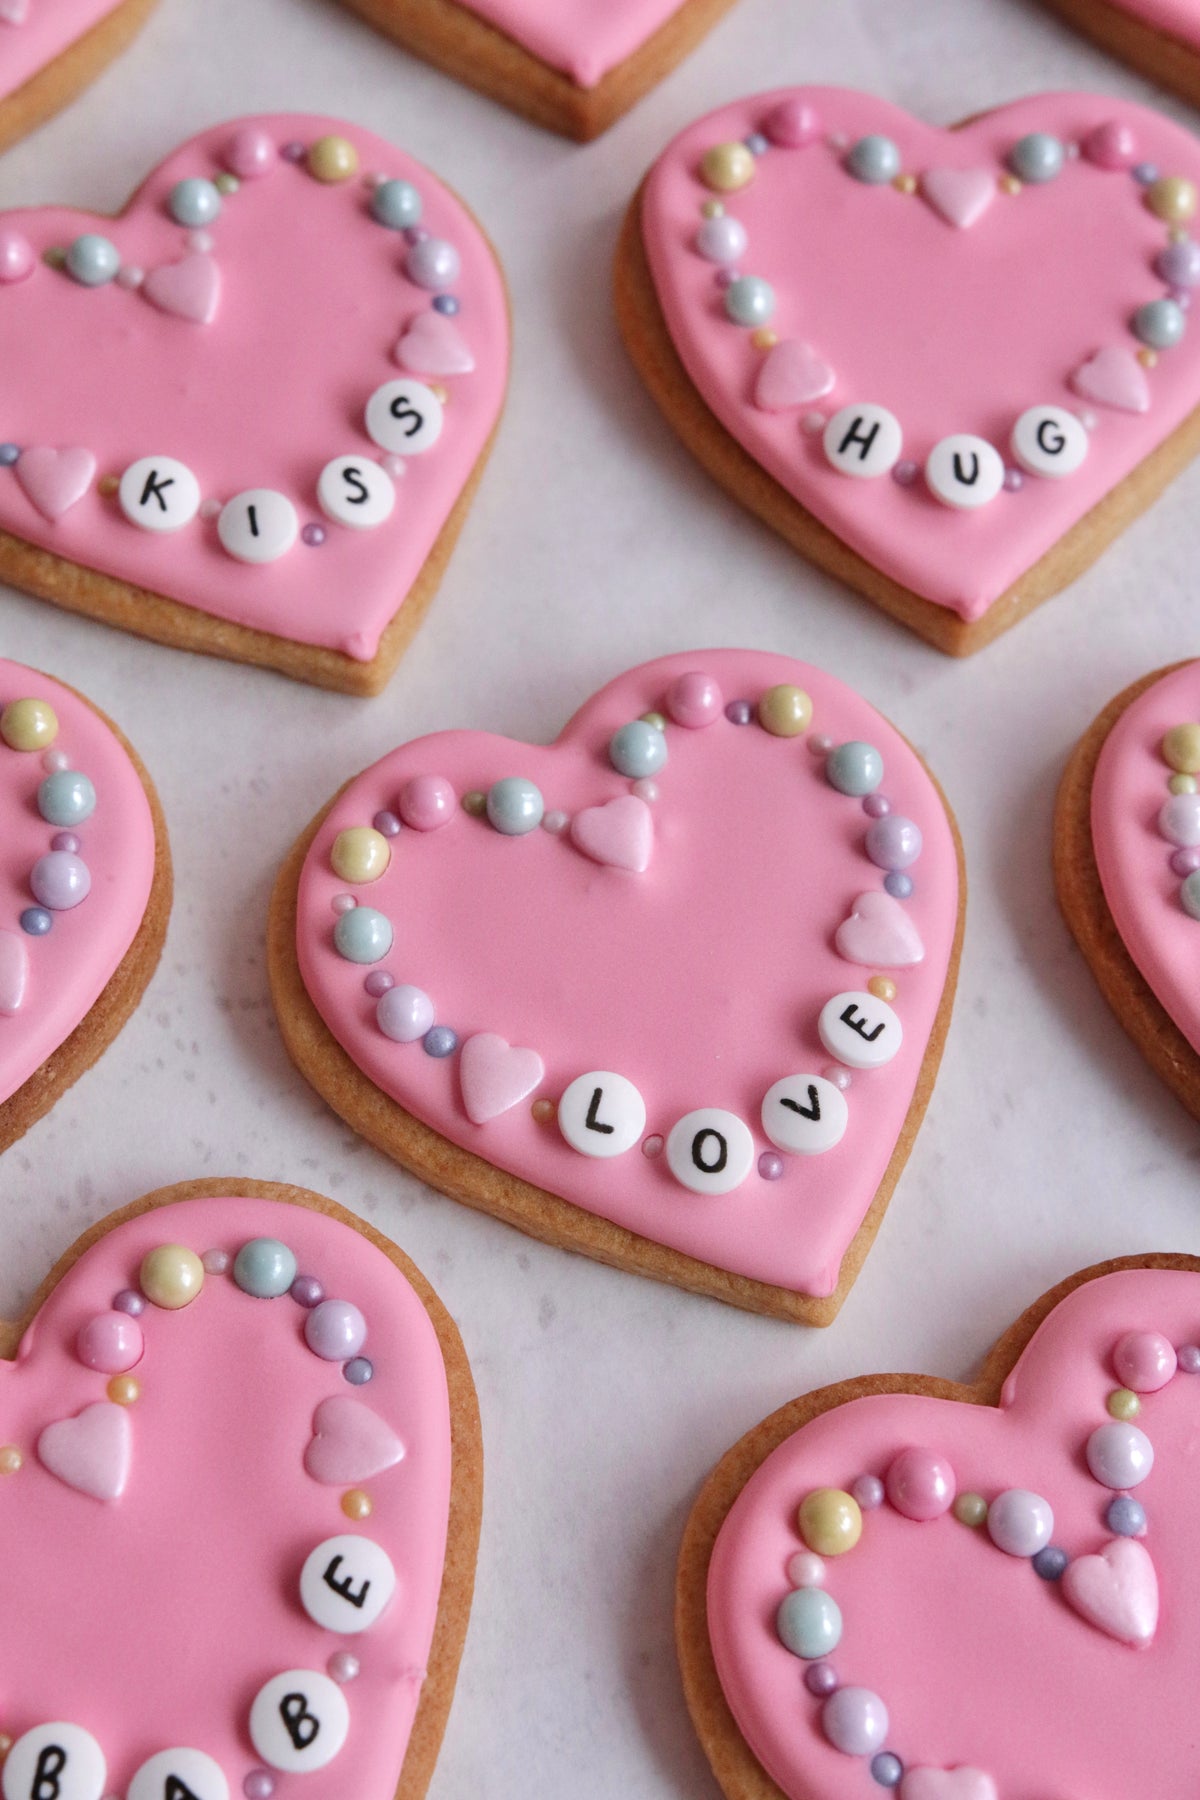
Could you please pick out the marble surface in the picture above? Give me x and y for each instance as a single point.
(596, 542)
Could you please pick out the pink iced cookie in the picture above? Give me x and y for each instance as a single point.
(965, 1593)
(51, 49)
(85, 889)
(572, 65)
(289, 357)
(1127, 864)
(240, 1456)
(670, 991)
(947, 350)
(1161, 37)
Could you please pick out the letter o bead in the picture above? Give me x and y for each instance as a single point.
(710, 1151)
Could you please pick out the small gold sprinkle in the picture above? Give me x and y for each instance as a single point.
(356, 1504)
(713, 209)
(905, 184)
(543, 1111)
(6, 1745)
(10, 1459)
(764, 338)
(108, 484)
(1010, 184)
(474, 803)
(124, 1390)
(56, 258)
(440, 393)
(881, 987)
(1178, 234)
(227, 184)
(1148, 358)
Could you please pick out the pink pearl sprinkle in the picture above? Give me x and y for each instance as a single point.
(920, 1484)
(343, 1666)
(646, 790)
(653, 1146)
(555, 822)
(1110, 146)
(110, 1343)
(216, 1262)
(16, 256)
(1185, 862)
(841, 1078)
(130, 276)
(805, 1569)
(200, 240)
(820, 744)
(1144, 1361)
(55, 761)
(792, 124)
(426, 802)
(395, 466)
(812, 423)
(343, 903)
(694, 700)
(249, 153)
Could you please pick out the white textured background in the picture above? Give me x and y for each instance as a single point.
(595, 543)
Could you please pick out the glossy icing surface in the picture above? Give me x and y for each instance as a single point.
(700, 980)
(949, 329)
(981, 1663)
(181, 1597)
(1141, 890)
(1178, 18)
(313, 300)
(585, 39)
(69, 967)
(48, 28)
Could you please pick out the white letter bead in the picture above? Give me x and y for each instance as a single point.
(710, 1151)
(298, 1722)
(159, 494)
(804, 1115)
(55, 1762)
(404, 417)
(258, 526)
(861, 1031)
(174, 1773)
(601, 1114)
(964, 471)
(1049, 440)
(863, 441)
(355, 491)
(346, 1583)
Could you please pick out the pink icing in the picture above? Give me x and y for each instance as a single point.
(1134, 861)
(593, 967)
(313, 300)
(68, 969)
(585, 39)
(1178, 18)
(947, 328)
(193, 1571)
(47, 29)
(980, 1663)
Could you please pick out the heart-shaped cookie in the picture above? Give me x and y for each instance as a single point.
(596, 987)
(1160, 37)
(85, 889)
(1126, 852)
(51, 49)
(964, 1593)
(1002, 310)
(258, 444)
(571, 65)
(206, 1611)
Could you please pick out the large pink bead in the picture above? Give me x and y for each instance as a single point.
(426, 802)
(694, 700)
(920, 1484)
(16, 256)
(1110, 146)
(250, 152)
(111, 1343)
(1145, 1361)
(792, 124)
